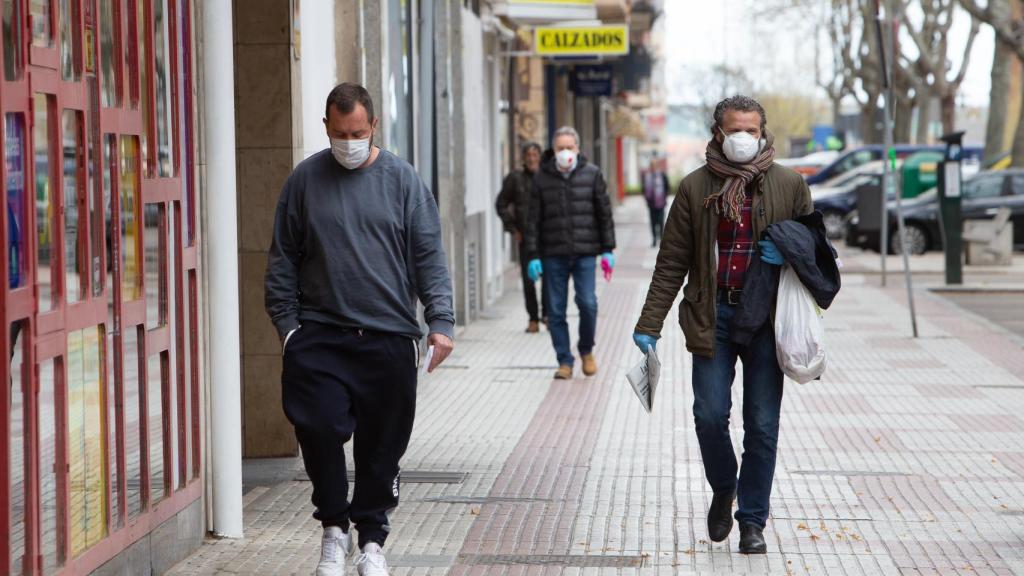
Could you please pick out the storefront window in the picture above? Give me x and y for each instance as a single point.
(132, 424)
(42, 22)
(184, 99)
(69, 36)
(156, 265)
(164, 81)
(44, 203)
(74, 260)
(14, 162)
(155, 371)
(16, 448)
(87, 482)
(12, 40)
(144, 92)
(110, 85)
(50, 498)
(131, 233)
(400, 79)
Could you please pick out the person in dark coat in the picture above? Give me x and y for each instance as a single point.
(656, 195)
(513, 207)
(569, 226)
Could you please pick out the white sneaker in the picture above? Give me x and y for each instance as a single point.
(371, 561)
(335, 550)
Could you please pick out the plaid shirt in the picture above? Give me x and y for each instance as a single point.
(735, 247)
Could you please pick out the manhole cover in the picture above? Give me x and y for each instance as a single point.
(411, 477)
(567, 560)
(847, 473)
(481, 499)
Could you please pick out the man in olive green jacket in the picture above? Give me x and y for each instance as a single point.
(714, 229)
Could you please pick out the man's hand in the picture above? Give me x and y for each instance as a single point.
(443, 347)
(770, 253)
(644, 342)
(535, 269)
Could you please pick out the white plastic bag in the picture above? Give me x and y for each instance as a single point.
(799, 330)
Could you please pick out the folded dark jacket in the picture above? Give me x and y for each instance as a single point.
(806, 248)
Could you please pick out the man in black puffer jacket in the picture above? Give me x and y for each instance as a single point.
(569, 225)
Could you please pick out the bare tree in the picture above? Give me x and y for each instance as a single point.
(1010, 35)
(931, 36)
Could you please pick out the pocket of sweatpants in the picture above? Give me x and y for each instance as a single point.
(290, 339)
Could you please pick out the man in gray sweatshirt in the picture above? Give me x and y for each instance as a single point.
(357, 240)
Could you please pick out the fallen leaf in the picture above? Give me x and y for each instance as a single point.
(802, 526)
(475, 510)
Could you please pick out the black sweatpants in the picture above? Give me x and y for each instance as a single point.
(336, 383)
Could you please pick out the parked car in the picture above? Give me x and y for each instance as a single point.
(810, 164)
(836, 198)
(861, 156)
(983, 195)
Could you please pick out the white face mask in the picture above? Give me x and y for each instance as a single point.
(351, 153)
(741, 147)
(566, 160)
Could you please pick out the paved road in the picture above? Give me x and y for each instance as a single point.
(908, 458)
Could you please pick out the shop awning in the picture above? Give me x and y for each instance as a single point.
(530, 12)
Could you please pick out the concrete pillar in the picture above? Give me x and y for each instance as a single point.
(450, 136)
(268, 123)
(220, 247)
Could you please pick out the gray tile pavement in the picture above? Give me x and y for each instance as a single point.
(906, 458)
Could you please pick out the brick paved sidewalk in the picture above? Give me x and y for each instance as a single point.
(908, 458)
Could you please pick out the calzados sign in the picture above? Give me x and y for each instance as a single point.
(590, 41)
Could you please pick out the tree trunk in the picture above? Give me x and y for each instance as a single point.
(999, 102)
(870, 132)
(947, 107)
(1018, 143)
(904, 114)
(924, 117)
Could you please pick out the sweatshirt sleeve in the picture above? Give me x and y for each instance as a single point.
(430, 265)
(281, 282)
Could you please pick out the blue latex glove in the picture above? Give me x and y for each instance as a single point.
(609, 258)
(534, 269)
(770, 253)
(643, 341)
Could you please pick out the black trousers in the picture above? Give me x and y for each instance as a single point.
(530, 290)
(338, 383)
(657, 224)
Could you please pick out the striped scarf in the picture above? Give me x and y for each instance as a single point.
(729, 200)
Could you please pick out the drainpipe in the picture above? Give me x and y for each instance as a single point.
(222, 274)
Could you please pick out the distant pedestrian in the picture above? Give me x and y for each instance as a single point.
(719, 214)
(569, 225)
(513, 207)
(357, 241)
(656, 195)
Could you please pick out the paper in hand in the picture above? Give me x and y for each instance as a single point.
(644, 378)
(428, 359)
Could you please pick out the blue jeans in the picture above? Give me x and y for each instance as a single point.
(762, 401)
(557, 272)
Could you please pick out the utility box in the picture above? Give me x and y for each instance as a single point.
(869, 214)
(950, 183)
(921, 173)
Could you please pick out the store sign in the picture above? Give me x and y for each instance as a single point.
(589, 41)
(592, 80)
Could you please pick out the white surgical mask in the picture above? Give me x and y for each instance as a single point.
(566, 160)
(741, 147)
(350, 153)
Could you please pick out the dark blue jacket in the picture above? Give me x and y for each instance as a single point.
(805, 246)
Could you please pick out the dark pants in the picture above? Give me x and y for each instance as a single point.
(530, 290)
(557, 272)
(657, 224)
(338, 382)
(762, 401)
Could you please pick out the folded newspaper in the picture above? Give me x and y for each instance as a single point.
(644, 378)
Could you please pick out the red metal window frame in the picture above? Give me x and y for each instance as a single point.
(44, 336)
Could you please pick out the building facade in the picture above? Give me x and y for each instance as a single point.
(156, 136)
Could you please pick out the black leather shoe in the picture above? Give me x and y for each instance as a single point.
(720, 515)
(752, 539)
